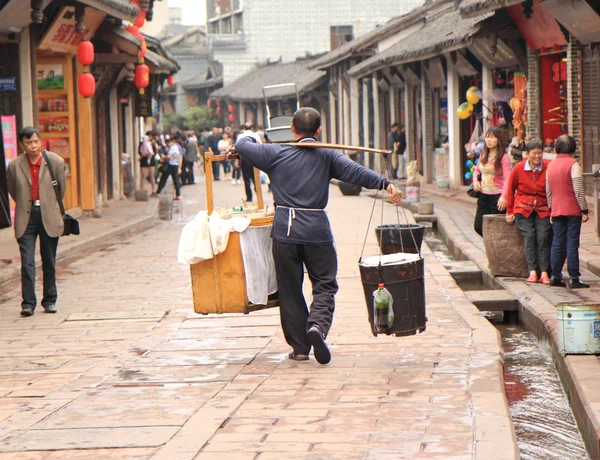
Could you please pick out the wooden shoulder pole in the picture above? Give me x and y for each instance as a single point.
(208, 158)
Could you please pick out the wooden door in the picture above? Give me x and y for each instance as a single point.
(590, 112)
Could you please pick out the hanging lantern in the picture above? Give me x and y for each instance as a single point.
(171, 80)
(230, 108)
(209, 103)
(142, 77)
(85, 52)
(473, 95)
(140, 19)
(231, 117)
(219, 112)
(464, 110)
(218, 102)
(86, 85)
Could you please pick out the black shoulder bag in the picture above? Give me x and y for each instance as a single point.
(71, 225)
(471, 190)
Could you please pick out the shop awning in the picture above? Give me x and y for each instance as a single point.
(445, 31)
(249, 86)
(470, 8)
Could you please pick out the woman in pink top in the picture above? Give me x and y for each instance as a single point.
(491, 177)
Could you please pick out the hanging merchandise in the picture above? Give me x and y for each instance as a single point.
(473, 95)
(465, 110)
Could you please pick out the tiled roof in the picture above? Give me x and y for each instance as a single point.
(249, 86)
(122, 9)
(473, 7)
(447, 30)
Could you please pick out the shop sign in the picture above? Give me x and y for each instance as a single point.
(540, 30)
(143, 103)
(8, 84)
(11, 149)
(435, 73)
(578, 17)
(502, 58)
(62, 37)
(463, 66)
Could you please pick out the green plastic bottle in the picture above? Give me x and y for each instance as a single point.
(383, 313)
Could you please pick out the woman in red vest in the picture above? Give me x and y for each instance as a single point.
(491, 176)
(527, 206)
(566, 198)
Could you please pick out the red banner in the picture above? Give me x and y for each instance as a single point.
(540, 30)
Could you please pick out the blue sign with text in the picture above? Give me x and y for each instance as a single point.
(8, 84)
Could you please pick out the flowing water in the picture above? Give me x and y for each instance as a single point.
(543, 420)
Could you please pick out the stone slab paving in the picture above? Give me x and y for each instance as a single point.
(126, 370)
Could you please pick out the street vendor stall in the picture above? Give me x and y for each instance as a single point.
(241, 278)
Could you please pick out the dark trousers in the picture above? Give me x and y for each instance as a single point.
(486, 204)
(216, 167)
(48, 247)
(321, 264)
(536, 233)
(187, 173)
(236, 173)
(173, 171)
(248, 175)
(565, 245)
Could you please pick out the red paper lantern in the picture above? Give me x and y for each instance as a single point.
(86, 85)
(171, 80)
(85, 53)
(219, 112)
(209, 103)
(142, 76)
(231, 117)
(230, 108)
(140, 19)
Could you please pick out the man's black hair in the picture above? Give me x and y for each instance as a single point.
(28, 132)
(565, 144)
(533, 145)
(306, 121)
(395, 125)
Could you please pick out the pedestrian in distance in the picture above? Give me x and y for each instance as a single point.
(213, 147)
(148, 162)
(224, 145)
(171, 167)
(568, 210)
(392, 144)
(527, 207)
(236, 170)
(246, 166)
(189, 158)
(37, 214)
(401, 171)
(491, 177)
(301, 232)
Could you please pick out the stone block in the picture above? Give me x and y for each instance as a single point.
(504, 247)
(464, 272)
(493, 300)
(142, 195)
(425, 208)
(165, 208)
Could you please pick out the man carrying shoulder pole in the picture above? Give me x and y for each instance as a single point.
(301, 231)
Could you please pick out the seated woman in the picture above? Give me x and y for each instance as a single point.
(527, 206)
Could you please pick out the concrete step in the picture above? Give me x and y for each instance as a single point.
(464, 271)
(493, 300)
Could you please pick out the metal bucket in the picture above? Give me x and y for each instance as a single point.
(402, 275)
(578, 328)
(413, 193)
(393, 238)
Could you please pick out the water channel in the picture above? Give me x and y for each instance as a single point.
(544, 423)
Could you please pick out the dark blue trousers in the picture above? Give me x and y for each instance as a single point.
(565, 245)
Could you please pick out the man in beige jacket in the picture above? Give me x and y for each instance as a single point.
(37, 213)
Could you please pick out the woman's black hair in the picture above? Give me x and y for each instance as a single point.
(565, 144)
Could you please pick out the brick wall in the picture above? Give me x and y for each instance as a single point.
(573, 89)
(534, 102)
(427, 122)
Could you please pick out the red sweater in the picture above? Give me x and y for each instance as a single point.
(526, 191)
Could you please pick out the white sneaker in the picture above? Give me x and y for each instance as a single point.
(238, 182)
(233, 181)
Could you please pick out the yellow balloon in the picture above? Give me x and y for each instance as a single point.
(464, 110)
(473, 95)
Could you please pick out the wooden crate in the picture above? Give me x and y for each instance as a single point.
(219, 284)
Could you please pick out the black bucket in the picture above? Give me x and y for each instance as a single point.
(406, 283)
(349, 189)
(396, 238)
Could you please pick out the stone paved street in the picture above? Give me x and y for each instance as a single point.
(127, 370)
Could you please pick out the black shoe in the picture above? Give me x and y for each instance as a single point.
(297, 357)
(317, 340)
(27, 311)
(50, 308)
(576, 284)
(557, 282)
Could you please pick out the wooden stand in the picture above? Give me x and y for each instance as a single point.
(219, 284)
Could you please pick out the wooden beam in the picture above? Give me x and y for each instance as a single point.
(113, 58)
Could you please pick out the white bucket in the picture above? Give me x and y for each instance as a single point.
(578, 328)
(413, 194)
(443, 182)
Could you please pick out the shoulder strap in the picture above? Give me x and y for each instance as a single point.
(54, 182)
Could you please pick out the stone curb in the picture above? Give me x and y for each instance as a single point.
(578, 373)
(79, 244)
